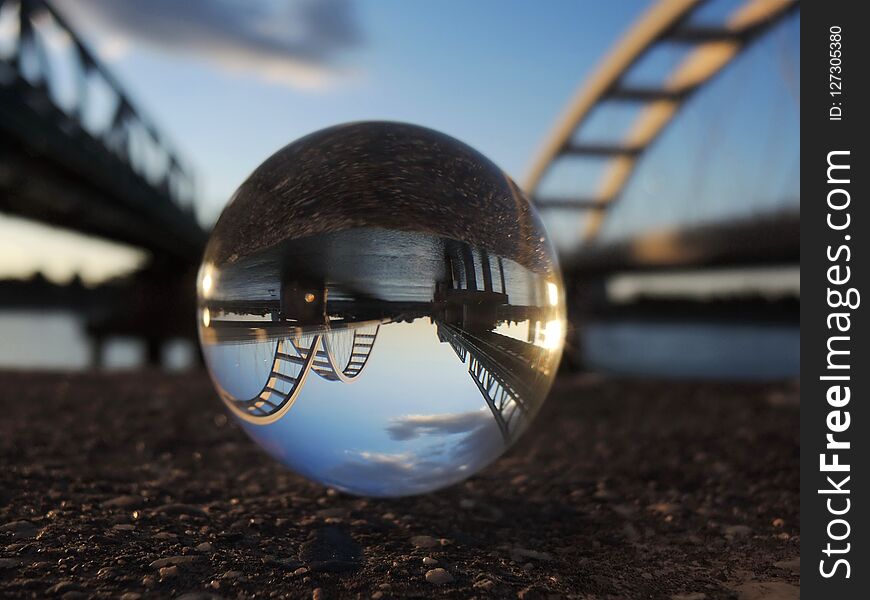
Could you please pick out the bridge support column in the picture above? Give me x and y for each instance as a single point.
(97, 352)
(154, 352)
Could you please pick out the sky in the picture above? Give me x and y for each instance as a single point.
(232, 81)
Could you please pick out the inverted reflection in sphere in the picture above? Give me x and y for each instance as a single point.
(381, 309)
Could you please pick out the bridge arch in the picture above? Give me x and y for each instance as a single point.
(712, 48)
(291, 363)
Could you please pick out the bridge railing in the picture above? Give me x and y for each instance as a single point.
(41, 54)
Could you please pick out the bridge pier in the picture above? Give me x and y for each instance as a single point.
(154, 352)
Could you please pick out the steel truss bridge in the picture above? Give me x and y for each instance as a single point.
(510, 374)
(335, 354)
(66, 161)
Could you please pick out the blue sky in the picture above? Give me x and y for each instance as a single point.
(494, 74)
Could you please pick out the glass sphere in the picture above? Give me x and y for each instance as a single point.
(380, 308)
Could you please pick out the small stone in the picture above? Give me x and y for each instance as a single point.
(131, 596)
(123, 527)
(438, 576)
(317, 594)
(172, 561)
(164, 535)
(735, 531)
(777, 522)
(484, 584)
(624, 510)
(664, 508)
(300, 571)
(690, 596)
(793, 565)
(123, 502)
(331, 549)
(768, 590)
(177, 508)
(518, 554)
(62, 587)
(231, 575)
(9, 563)
(429, 561)
(204, 547)
(167, 572)
(529, 593)
(423, 541)
(20, 529)
(377, 595)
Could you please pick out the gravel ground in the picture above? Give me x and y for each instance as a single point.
(137, 486)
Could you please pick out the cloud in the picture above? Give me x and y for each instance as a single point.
(443, 460)
(295, 43)
(409, 427)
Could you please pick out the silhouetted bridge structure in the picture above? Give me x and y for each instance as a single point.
(85, 157)
(762, 239)
(115, 174)
(119, 179)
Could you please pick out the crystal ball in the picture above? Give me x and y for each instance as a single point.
(380, 309)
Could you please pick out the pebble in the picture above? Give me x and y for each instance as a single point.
(123, 527)
(429, 561)
(204, 547)
(484, 584)
(9, 563)
(438, 576)
(734, 531)
(166, 572)
(105, 573)
(423, 541)
(664, 508)
(123, 501)
(332, 513)
(176, 508)
(174, 561)
(518, 553)
(317, 594)
(20, 529)
(377, 595)
(131, 596)
(62, 587)
(793, 565)
(529, 593)
(690, 596)
(768, 590)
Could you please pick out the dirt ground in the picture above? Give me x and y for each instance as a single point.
(136, 485)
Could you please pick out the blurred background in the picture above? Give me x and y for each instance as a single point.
(659, 139)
